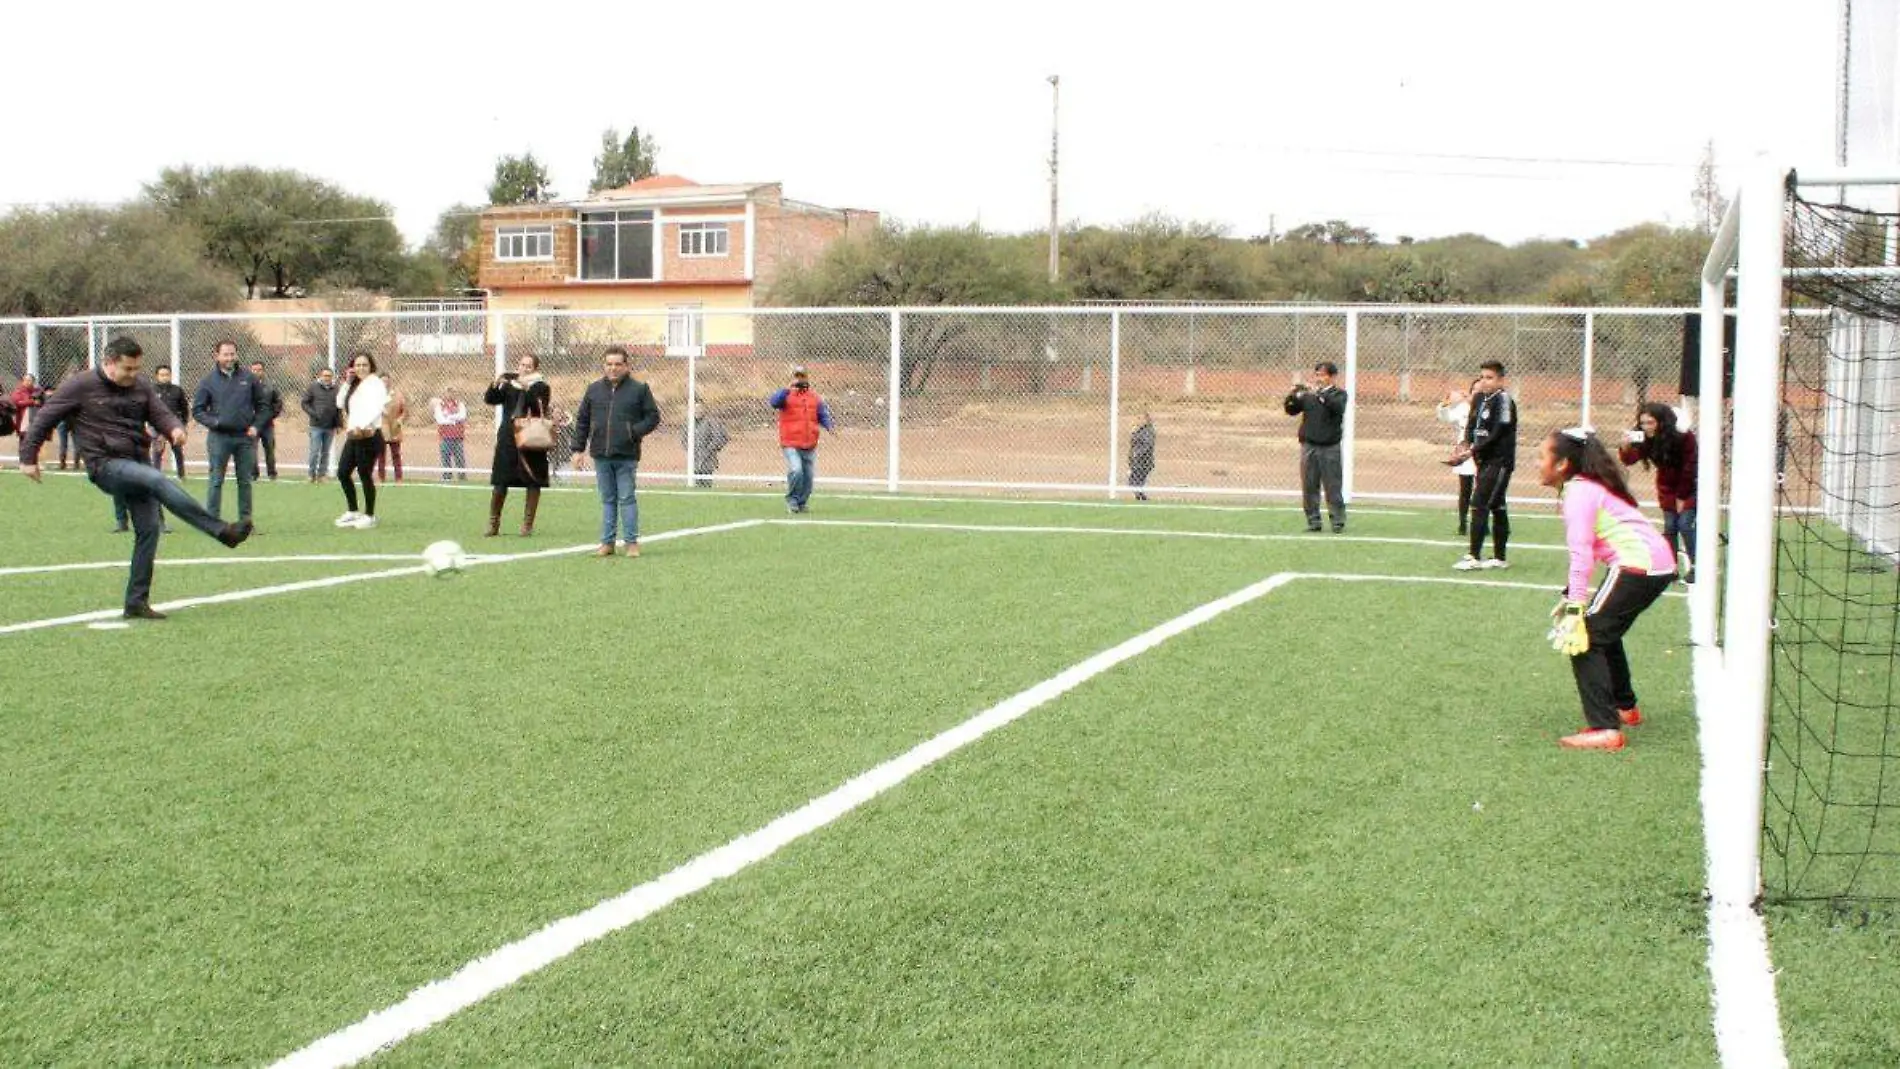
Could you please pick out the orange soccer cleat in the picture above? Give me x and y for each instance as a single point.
(1630, 717)
(1593, 739)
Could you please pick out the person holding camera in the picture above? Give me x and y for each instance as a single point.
(1657, 442)
(801, 412)
(521, 393)
(1321, 406)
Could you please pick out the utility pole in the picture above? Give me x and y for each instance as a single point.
(1055, 104)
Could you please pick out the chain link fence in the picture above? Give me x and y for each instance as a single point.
(1027, 401)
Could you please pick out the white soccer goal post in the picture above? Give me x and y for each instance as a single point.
(1732, 608)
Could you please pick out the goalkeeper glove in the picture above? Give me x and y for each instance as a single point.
(1568, 635)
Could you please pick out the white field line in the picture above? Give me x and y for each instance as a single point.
(903, 499)
(188, 562)
(439, 1000)
(1310, 538)
(1741, 971)
(360, 577)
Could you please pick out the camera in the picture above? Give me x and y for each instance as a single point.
(510, 376)
(801, 385)
(1634, 436)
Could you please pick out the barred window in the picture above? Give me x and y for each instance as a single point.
(703, 239)
(524, 243)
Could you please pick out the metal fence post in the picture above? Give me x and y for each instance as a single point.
(33, 350)
(893, 405)
(1114, 398)
(501, 361)
(177, 339)
(692, 412)
(1349, 438)
(1589, 365)
(329, 324)
(92, 345)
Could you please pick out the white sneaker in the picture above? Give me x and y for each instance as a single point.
(1468, 564)
(348, 519)
(364, 523)
(1683, 564)
(1495, 565)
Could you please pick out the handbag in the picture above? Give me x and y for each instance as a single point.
(533, 434)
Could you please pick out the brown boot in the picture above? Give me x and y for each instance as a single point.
(527, 516)
(496, 499)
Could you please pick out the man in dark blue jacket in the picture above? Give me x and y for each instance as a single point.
(230, 403)
(615, 413)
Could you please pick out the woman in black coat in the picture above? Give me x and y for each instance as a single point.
(522, 392)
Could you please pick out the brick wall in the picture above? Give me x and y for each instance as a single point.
(491, 274)
(730, 267)
(795, 235)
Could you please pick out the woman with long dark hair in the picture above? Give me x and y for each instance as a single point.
(521, 392)
(1657, 443)
(361, 402)
(1601, 523)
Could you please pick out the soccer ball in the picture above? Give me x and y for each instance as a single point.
(443, 558)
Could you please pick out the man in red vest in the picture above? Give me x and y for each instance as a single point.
(800, 413)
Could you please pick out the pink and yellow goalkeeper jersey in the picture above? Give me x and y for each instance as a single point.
(1599, 526)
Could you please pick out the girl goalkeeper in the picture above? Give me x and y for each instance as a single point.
(1601, 523)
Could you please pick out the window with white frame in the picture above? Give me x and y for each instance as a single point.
(516, 243)
(703, 239)
(685, 329)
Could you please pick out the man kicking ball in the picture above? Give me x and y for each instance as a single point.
(110, 407)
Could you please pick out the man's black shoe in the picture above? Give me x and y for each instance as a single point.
(1312, 528)
(143, 612)
(120, 529)
(1339, 528)
(234, 534)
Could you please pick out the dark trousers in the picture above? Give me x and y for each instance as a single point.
(159, 448)
(1464, 502)
(266, 444)
(359, 459)
(1602, 671)
(1320, 467)
(1488, 512)
(235, 451)
(147, 494)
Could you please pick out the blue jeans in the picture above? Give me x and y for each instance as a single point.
(801, 467)
(1680, 526)
(146, 493)
(221, 449)
(320, 450)
(454, 459)
(614, 479)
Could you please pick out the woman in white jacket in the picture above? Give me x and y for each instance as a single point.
(362, 401)
(1456, 411)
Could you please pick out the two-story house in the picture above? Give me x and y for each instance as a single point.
(664, 245)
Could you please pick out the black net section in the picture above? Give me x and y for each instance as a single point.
(1832, 808)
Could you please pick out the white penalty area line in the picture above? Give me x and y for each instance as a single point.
(1310, 537)
(437, 1001)
(189, 562)
(359, 577)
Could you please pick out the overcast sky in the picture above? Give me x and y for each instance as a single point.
(1405, 116)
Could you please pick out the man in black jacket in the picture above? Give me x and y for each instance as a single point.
(173, 396)
(1322, 408)
(267, 430)
(614, 414)
(319, 404)
(110, 408)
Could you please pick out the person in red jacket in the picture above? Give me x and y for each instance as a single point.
(27, 396)
(801, 412)
(1656, 442)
